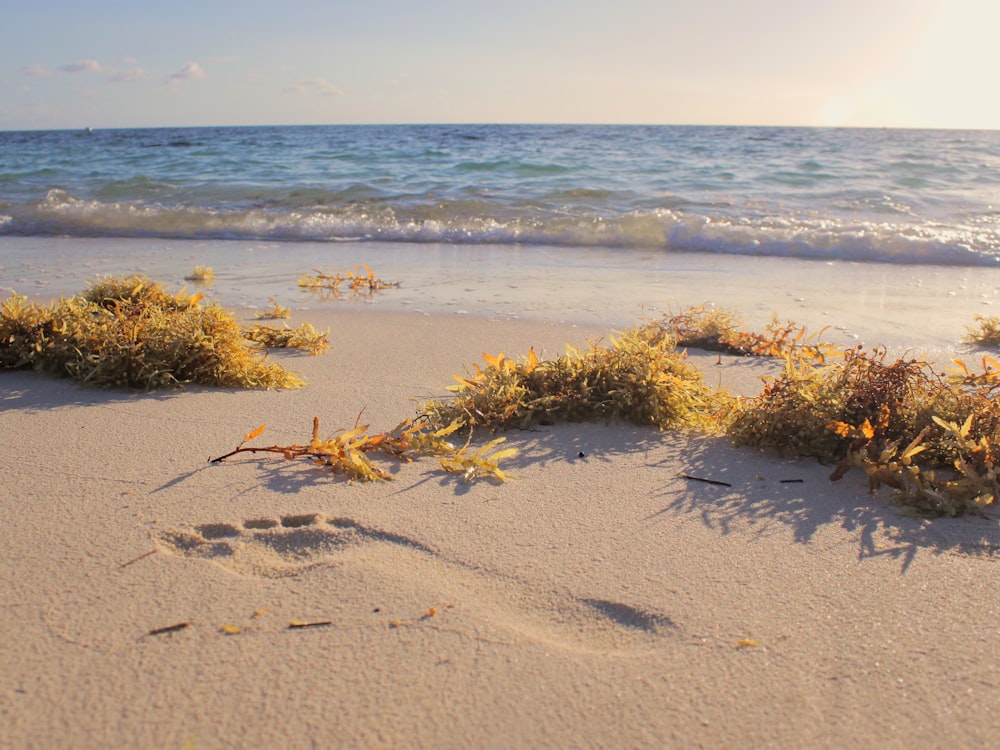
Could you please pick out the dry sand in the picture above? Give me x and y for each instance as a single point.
(596, 600)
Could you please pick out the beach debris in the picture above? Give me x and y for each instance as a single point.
(201, 274)
(348, 452)
(236, 630)
(929, 436)
(305, 337)
(137, 559)
(299, 625)
(275, 311)
(704, 480)
(169, 629)
(747, 643)
(131, 333)
(430, 613)
(356, 281)
(985, 332)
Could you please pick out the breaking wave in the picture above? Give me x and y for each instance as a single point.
(481, 222)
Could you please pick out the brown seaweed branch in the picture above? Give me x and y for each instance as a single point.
(348, 453)
(354, 280)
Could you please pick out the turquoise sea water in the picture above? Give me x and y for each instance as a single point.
(903, 196)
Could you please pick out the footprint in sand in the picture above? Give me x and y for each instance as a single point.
(278, 547)
(293, 544)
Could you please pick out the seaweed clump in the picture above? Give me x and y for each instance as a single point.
(305, 337)
(985, 332)
(275, 311)
(201, 275)
(355, 281)
(869, 413)
(719, 330)
(640, 378)
(130, 332)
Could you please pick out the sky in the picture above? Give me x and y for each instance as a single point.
(869, 63)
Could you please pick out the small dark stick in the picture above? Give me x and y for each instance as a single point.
(706, 481)
(169, 629)
(137, 559)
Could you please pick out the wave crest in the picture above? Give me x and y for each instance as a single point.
(480, 222)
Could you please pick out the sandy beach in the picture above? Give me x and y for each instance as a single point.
(597, 599)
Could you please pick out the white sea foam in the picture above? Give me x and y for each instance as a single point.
(61, 214)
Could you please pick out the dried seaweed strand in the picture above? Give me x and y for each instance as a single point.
(348, 452)
(354, 280)
(296, 625)
(170, 629)
(137, 559)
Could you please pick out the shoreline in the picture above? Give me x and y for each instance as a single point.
(597, 599)
(922, 310)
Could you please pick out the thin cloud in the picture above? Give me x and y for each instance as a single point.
(319, 86)
(84, 66)
(37, 71)
(40, 71)
(136, 74)
(189, 72)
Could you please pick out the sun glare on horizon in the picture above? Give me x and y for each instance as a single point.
(939, 75)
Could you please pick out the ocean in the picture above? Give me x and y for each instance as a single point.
(869, 195)
(872, 236)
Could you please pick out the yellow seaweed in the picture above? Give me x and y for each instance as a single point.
(130, 332)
